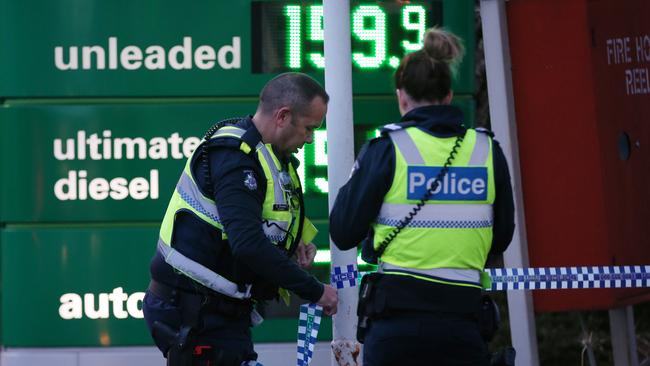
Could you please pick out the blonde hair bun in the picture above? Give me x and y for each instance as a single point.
(444, 46)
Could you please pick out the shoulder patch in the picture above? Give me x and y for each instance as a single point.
(354, 169)
(396, 126)
(391, 127)
(249, 180)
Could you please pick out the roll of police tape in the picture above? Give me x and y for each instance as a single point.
(544, 278)
(308, 326)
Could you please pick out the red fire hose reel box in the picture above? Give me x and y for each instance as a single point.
(581, 86)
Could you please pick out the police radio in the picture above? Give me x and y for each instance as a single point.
(204, 152)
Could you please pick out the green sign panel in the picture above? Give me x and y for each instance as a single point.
(101, 103)
(206, 48)
(120, 162)
(76, 287)
(98, 162)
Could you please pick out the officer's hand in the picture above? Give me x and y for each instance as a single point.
(329, 300)
(305, 254)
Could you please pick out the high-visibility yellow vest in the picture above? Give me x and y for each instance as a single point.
(449, 239)
(281, 213)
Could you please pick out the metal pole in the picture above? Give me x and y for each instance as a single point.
(621, 324)
(502, 116)
(340, 150)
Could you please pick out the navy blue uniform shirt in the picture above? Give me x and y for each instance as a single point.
(360, 199)
(247, 255)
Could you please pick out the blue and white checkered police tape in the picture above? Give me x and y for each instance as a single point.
(308, 326)
(543, 278)
(345, 276)
(569, 277)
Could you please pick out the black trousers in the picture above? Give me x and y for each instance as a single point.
(229, 334)
(425, 339)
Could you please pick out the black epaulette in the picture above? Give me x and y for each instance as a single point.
(224, 142)
(485, 131)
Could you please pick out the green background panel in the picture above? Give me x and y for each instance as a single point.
(458, 17)
(31, 29)
(27, 55)
(50, 247)
(30, 171)
(28, 132)
(381, 110)
(40, 264)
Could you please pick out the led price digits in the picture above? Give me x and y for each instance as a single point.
(316, 33)
(414, 19)
(294, 43)
(370, 32)
(313, 173)
(313, 164)
(375, 33)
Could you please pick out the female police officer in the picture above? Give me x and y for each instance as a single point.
(431, 199)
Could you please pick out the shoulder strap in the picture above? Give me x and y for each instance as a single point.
(215, 127)
(481, 148)
(405, 144)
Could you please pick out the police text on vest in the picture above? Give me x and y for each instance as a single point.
(459, 184)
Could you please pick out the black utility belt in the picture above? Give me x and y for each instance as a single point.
(210, 302)
(388, 294)
(383, 295)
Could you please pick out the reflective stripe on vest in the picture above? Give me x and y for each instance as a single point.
(438, 216)
(190, 193)
(407, 147)
(453, 275)
(200, 273)
(227, 131)
(481, 150)
(411, 154)
(277, 184)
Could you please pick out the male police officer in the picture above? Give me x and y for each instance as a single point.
(234, 221)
